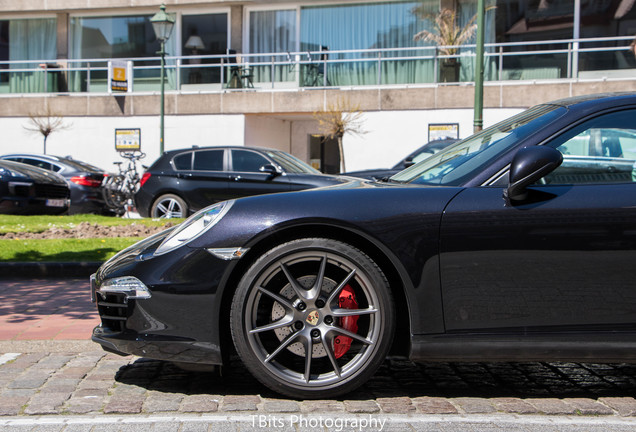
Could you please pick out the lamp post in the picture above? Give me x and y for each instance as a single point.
(162, 24)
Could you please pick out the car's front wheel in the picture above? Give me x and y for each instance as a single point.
(169, 206)
(313, 318)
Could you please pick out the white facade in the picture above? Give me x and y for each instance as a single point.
(391, 135)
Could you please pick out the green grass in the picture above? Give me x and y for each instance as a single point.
(12, 223)
(63, 250)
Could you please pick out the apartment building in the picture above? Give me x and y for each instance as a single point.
(255, 72)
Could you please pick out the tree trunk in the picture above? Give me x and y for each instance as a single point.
(341, 151)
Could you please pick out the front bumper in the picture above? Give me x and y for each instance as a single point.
(180, 321)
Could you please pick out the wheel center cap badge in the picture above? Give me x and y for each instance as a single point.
(312, 318)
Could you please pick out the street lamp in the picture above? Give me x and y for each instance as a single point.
(162, 24)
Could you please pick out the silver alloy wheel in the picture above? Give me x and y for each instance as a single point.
(292, 309)
(169, 206)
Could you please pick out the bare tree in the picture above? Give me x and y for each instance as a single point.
(338, 119)
(45, 123)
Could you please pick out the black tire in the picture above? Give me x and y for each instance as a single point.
(169, 206)
(288, 304)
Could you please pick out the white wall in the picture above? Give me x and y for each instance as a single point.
(92, 139)
(392, 135)
(262, 131)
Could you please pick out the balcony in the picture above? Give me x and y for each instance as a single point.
(555, 60)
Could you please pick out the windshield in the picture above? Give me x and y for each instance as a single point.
(290, 164)
(465, 159)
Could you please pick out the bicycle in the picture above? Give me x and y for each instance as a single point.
(119, 189)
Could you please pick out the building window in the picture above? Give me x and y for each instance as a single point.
(357, 27)
(117, 37)
(205, 34)
(272, 31)
(28, 39)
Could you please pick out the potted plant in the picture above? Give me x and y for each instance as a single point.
(447, 34)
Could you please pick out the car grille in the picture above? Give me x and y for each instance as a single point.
(51, 191)
(113, 310)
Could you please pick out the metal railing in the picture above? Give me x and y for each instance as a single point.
(593, 58)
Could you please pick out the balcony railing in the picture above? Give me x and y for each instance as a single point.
(596, 58)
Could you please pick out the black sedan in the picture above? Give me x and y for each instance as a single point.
(85, 180)
(183, 181)
(517, 243)
(27, 190)
(425, 151)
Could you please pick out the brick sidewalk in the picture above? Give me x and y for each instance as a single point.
(53, 309)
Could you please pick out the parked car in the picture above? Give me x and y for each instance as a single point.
(85, 180)
(27, 190)
(517, 243)
(427, 150)
(184, 181)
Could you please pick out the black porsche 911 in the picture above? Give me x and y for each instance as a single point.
(518, 242)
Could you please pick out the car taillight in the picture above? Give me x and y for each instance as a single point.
(86, 181)
(144, 178)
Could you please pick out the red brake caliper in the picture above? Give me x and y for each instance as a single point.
(346, 300)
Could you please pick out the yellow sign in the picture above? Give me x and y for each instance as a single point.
(127, 140)
(118, 75)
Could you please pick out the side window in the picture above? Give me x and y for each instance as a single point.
(601, 150)
(247, 161)
(38, 163)
(208, 160)
(183, 161)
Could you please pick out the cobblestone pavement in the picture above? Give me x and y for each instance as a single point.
(94, 382)
(75, 378)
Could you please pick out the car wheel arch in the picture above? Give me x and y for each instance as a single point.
(398, 283)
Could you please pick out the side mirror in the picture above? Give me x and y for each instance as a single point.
(270, 169)
(527, 167)
(408, 162)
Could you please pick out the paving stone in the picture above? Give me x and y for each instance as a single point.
(588, 406)
(471, 405)
(240, 403)
(125, 405)
(199, 404)
(29, 381)
(513, 406)
(84, 405)
(434, 405)
(551, 406)
(46, 403)
(624, 406)
(361, 406)
(281, 406)
(12, 405)
(321, 406)
(396, 405)
(60, 385)
(162, 402)
(78, 372)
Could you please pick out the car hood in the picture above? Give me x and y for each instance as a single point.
(374, 173)
(34, 173)
(317, 180)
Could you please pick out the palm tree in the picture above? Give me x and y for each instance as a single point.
(446, 33)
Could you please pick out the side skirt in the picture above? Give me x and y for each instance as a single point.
(605, 347)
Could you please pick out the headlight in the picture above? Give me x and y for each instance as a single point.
(130, 286)
(195, 226)
(7, 172)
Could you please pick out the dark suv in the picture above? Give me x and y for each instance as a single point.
(183, 181)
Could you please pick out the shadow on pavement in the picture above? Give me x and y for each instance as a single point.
(399, 377)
